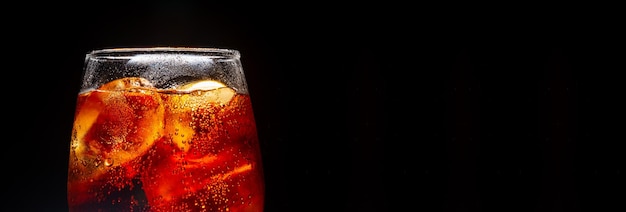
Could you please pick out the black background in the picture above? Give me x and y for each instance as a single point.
(378, 107)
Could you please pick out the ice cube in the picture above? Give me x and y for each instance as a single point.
(193, 106)
(126, 84)
(113, 127)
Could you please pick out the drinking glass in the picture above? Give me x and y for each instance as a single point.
(164, 129)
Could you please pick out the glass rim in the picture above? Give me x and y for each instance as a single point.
(131, 51)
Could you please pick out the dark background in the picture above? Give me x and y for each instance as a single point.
(378, 107)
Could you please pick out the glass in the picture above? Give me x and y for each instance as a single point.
(164, 129)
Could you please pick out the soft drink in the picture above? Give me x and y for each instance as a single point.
(135, 147)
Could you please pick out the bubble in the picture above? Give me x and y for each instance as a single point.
(108, 162)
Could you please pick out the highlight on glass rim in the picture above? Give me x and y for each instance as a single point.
(164, 129)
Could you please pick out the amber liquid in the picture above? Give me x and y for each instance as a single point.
(155, 150)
